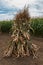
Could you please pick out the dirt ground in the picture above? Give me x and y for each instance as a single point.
(4, 38)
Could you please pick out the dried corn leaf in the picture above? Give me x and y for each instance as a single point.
(8, 51)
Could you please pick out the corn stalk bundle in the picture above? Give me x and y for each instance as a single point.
(20, 44)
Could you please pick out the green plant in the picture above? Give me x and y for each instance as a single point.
(37, 25)
(0, 25)
(6, 26)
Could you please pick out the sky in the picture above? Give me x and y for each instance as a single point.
(8, 8)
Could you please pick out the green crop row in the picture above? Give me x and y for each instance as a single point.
(37, 25)
(5, 26)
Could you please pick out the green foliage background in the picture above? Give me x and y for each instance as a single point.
(36, 24)
(5, 26)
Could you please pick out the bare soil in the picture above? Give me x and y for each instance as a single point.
(4, 38)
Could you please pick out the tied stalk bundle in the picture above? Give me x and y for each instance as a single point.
(20, 44)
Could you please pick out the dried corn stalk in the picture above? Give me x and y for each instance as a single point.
(20, 37)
